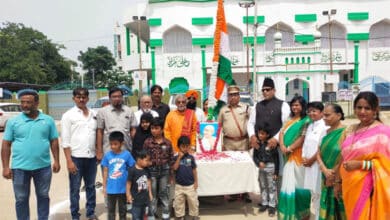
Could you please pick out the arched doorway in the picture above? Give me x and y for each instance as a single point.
(297, 87)
(178, 85)
(177, 40)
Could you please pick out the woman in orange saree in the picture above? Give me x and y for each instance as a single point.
(365, 167)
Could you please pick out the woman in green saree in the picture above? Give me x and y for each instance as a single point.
(294, 200)
(328, 158)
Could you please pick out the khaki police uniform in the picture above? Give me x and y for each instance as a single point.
(234, 132)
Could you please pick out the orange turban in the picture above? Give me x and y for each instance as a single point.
(192, 93)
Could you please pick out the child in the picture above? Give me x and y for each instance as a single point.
(186, 181)
(268, 162)
(161, 154)
(138, 189)
(142, 132)
(314, 134)
(115, 164)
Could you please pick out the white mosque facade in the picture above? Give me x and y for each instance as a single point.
(306, 51)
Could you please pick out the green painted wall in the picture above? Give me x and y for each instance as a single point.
(154, 22)
(305, 18)
(202, 21)
(358, 16)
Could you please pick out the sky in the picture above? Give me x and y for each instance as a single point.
(76, 24)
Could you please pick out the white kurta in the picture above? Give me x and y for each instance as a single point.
(314, 134)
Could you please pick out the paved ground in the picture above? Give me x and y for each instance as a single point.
(210, 208)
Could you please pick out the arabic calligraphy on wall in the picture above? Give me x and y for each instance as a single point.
(269, 58)
(178, 61)
(336, 57)
(383, 55)
(234, 60)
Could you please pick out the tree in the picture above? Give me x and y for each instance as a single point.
(28, 56)
(115, 77)
(96, 61)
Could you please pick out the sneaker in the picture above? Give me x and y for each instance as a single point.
(271, 211)
(263, 208)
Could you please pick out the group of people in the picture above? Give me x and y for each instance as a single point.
(326, 169)
(311, 166)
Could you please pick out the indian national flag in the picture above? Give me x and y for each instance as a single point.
(221, 76)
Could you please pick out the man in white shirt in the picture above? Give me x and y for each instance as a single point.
(78, 135)
(145, 104)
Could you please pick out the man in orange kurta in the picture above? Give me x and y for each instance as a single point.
(181, 121)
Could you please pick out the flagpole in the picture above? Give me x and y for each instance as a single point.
(254, 76)
(214, 69)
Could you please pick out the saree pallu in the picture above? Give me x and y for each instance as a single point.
(330, 207)
(294, 201)
(366, 194)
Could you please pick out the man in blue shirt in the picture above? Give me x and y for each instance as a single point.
(30, 134)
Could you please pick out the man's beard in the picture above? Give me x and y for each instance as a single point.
(191, 105)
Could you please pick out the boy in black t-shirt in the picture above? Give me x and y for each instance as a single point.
(138, 187)
(267, 160)
(186, 181)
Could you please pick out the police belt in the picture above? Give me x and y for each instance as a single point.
(236, 138)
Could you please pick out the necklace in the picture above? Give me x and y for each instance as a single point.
(357, 136)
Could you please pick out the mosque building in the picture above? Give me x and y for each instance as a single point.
(324, 49)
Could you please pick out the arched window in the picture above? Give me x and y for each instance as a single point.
(380, 34)
(235, 38)
(177, 40)
(303, 60)
(338, 34)
(292, 60)
(287, 35)
(286, 60)
(308, 59)
(297, 60)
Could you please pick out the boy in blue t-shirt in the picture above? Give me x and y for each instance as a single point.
(186, 181)
(138, 187)
(115, 165)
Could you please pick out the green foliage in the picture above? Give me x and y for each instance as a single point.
(113, 78)
(97, 61)
(28, 56)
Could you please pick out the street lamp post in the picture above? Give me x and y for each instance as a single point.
(329, 14)
(139, 20)
(247, 5)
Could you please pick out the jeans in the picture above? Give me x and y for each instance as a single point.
(160, 179)
(21, 181)
(86, 169)
(268, 185)
(138, 212)
(112, 199)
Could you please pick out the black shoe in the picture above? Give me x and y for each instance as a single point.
(263, 208)
(271, 211)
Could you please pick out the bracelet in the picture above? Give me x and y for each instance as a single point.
(338, 181)
(369, 164)
(366, 164)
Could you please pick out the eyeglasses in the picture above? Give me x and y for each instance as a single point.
(181, 102)
(266, 89)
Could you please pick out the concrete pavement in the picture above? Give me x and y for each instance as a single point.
(210, 209)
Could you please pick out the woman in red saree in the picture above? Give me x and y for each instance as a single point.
(364, 172)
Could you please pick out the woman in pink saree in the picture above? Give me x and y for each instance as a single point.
(364, 173)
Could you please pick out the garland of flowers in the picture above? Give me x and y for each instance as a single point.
(212, 154)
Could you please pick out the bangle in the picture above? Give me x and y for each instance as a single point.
(368, 167)
(338, 181)
(363, 165)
